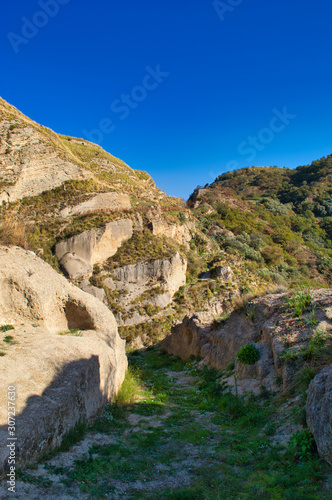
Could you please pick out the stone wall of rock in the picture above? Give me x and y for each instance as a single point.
(181, 233)
(65, 357)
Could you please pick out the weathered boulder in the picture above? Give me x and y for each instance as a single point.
(78, 254)
(252, 378)
(64, 355)
(186, 338)
(223, 272)
(104, 201)
(319, 412)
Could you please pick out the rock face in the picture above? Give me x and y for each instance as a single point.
(30, 164)
(265, 323)
(78, 254)
(195, 337)
(61, 377)
(319, 412)
(101, 202)
(180, 233)
(144, 283)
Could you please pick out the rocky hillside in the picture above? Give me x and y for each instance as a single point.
(34, 159)
(277, 219)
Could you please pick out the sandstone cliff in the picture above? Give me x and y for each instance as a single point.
(34, 159)
(78, 254)
(63, 355)
(146, 283)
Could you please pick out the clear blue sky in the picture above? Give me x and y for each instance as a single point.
(90, 63)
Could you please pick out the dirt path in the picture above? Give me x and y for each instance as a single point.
(171, 442)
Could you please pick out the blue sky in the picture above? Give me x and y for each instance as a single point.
(184, 89)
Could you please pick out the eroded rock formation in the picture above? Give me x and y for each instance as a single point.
(144, 283)
(78, 254)
(64, 355)
(264, 322)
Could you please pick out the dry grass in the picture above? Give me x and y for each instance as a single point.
(12, 233)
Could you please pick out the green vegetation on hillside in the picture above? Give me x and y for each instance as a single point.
(280, 218)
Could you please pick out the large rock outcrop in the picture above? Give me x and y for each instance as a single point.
(181, 233)
(34, 159)
(143, 283)
(63, 356)
(196, 337)
(319, 412)
(78, 254)
(264, 322)
(30, 163)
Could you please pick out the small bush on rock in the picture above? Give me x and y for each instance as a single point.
(248, 354)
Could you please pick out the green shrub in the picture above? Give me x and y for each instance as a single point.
(182, 218)
(273, 255)
(302, 445)
(248, 354)
(242, 244)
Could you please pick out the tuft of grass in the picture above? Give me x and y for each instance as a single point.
(73, 331)
(6, 328)
(290, 355)
(304, 377)
(299, 302)
(74, 436)
(131, 387)
(319, 349)
(311, 321)
(12, 233)
(8, 339)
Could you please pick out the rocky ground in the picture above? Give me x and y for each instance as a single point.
(174, 434)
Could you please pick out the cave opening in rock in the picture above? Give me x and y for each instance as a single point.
(78, 317)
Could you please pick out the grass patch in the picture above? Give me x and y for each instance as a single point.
(299, 303)
(73, 331)
(8, 339)
(6, 328)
